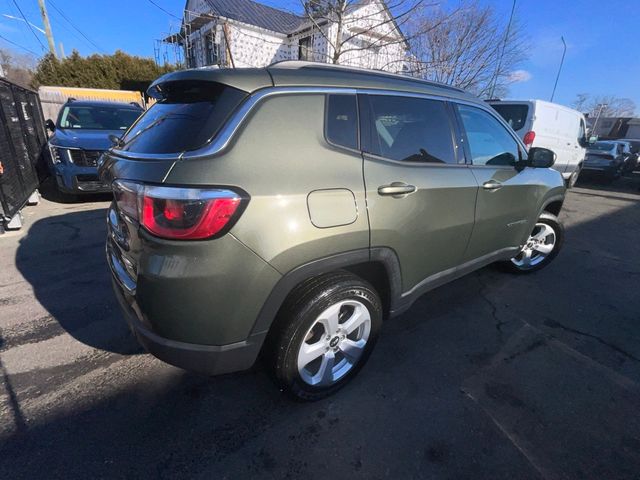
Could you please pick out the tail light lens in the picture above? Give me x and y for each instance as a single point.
(178, 213)
(529, 137)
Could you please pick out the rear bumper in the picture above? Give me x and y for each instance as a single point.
(604, 169)
(206, 359)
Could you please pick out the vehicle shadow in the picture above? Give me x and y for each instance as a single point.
(404, 415)
(49, 191)
(62, 257)
(628, 183)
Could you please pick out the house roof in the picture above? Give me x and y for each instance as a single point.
(253, 13)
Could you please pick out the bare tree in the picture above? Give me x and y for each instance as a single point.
(353, 28)
(610, 105)
(17, 67)
(471, 48)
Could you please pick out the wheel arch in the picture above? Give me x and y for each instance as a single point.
(553, 205)
(379, 266)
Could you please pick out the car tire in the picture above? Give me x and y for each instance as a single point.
(542, 246)
(324, 334)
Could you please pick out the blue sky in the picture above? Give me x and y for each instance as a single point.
(603, 38)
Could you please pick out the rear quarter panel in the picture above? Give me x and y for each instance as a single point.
(279, 156)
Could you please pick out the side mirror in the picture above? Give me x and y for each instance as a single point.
(583, 142)
(50, 125)
(115, 140)
(541, 157)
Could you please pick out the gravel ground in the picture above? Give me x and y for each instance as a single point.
(492, 376)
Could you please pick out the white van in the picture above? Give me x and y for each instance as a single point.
(552, 126)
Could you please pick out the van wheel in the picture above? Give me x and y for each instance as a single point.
(573, 179)
(325, 332)
(541, 247)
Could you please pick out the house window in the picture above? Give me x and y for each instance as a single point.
(211, 49)
(368, 45)
(304, 49)
(191, 55)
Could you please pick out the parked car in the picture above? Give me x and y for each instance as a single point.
(264, 211)
(80, 135)
(552, 126)
(605, 158)
(635, 150)
(630, 156)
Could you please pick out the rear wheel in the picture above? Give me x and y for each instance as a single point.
(542, 246)
(325, 333)
(573, 179)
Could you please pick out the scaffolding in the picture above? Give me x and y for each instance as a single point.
(184, 47)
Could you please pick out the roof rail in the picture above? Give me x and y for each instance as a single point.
(71, 99)
(298, 64)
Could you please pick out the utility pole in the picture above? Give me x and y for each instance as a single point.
(564, 44)
(504, 45)
(47, 27)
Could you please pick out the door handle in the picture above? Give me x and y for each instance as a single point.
(396, 189)
(491, 185)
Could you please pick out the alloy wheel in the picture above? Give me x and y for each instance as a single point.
(334, 343)
(540, 244)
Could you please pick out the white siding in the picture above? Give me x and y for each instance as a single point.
(252, 46)
(255, 47)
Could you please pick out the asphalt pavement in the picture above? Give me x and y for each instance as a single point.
(492, 376)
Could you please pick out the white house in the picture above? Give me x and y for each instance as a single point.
(245, 33)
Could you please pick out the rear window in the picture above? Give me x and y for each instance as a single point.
(601, 146)
(188, 116)
(514, 115)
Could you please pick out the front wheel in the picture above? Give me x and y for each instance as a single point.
(542, 246)
(325, 333)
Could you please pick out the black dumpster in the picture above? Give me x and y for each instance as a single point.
(22, 140)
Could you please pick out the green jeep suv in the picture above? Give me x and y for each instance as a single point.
(287, 211)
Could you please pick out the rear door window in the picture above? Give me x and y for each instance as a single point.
(514, 115)
(408, 129)
(188, 117)
(341, 126)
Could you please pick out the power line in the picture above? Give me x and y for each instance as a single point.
(17, 45)
(23, 34)
(29, 25)
(165, 11)
(76, 28)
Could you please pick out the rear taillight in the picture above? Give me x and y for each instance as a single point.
(178, 213)
(528, 139)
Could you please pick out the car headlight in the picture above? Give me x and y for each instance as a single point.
(58, 155)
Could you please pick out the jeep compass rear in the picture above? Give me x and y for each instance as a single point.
(286, 211)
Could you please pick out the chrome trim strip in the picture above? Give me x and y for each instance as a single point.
(226, 134)
(224, 137)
